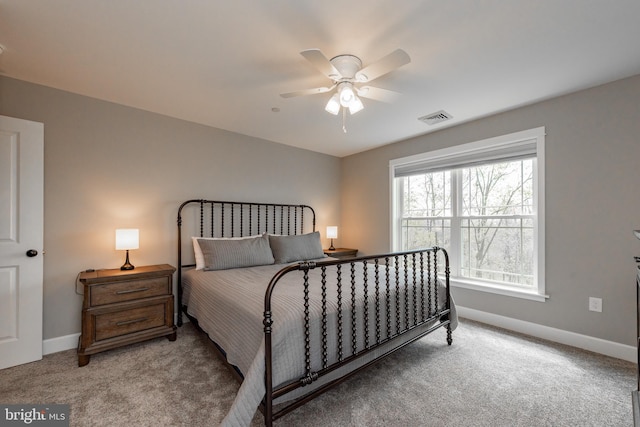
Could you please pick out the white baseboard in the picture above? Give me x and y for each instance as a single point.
(597, 345)
(54, 345)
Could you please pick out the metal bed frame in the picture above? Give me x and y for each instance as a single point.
(415, 310)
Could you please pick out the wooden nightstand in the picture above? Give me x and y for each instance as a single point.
(124, 307)
(341, 253)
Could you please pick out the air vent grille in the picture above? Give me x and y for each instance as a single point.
(438, 117)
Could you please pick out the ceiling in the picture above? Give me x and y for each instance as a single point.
(224, 63)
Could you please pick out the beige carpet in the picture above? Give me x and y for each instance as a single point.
(488, 377)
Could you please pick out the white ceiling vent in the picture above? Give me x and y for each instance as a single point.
(438, 117)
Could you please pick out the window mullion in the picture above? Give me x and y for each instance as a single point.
(455, 256)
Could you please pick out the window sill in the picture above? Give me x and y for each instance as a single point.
(498, 289)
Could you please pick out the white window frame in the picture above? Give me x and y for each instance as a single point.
(477, 152)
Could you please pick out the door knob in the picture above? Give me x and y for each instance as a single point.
(31, 253)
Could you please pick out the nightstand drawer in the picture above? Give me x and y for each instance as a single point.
(118, 323)
(130, 290)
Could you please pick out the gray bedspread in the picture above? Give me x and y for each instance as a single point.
(229, 306)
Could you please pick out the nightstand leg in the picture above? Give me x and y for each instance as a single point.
(83, 360)
(172, 337)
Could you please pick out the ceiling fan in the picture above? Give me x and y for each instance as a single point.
(351, 80)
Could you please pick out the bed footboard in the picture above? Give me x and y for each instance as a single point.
(370, 307)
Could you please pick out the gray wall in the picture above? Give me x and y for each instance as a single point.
(108, 166)
(592, 206)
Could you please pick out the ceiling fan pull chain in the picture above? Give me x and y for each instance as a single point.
(344, 120)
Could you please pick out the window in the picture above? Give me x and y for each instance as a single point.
(483, 202)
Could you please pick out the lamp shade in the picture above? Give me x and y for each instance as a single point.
(333, 106)
(346, 94)
(127, 238)
(332, 232)
(355, 105)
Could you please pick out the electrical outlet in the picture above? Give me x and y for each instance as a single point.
(595, 304)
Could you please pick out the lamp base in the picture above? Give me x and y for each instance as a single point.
(331, 248)
(127, 265)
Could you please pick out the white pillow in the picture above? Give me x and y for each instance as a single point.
(197, 251)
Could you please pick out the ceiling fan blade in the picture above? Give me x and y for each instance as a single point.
(395, 59)
(378, 94)
(317, 58)
(307, 92)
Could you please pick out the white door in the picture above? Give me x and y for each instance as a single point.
(21, 233)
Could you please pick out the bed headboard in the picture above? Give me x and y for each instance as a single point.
(215, 218)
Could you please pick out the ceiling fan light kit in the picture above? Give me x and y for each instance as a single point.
(346, 73)
(344, 97)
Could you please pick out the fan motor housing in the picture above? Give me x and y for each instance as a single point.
(347, 66)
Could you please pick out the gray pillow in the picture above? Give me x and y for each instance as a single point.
(225, 254)
(301, 247)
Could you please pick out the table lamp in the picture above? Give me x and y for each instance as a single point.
(127, 238)
(332, 233)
